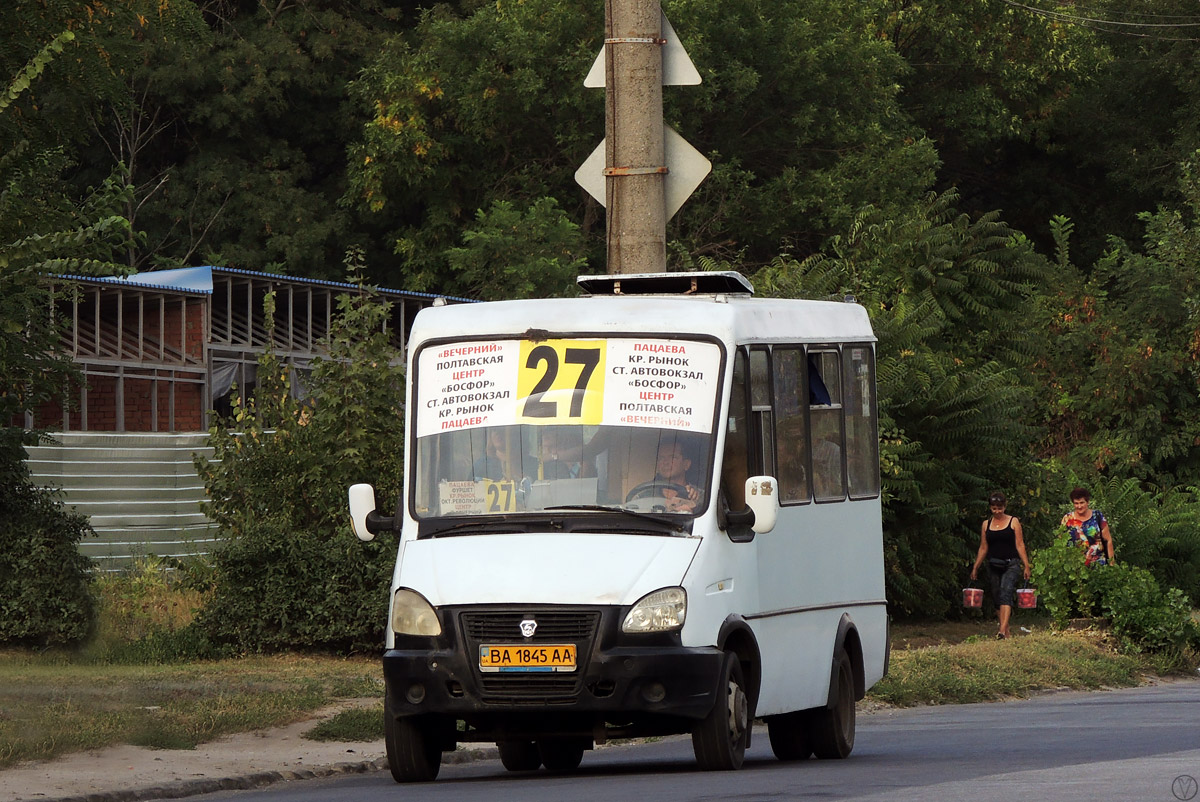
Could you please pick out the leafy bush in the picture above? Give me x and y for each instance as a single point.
(1142, 615)
(45, 583)
(1061, 579)
(162, 647)
(289, 573)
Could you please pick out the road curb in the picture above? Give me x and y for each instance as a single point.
(257, 779)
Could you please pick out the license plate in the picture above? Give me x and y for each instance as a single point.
(551, 657)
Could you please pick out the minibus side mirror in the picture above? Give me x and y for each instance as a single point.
(366, 522)
(762, 497)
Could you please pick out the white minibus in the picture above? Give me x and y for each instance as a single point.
(650, 510)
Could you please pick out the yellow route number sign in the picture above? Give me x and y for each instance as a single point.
(561, 381)
(499, 496)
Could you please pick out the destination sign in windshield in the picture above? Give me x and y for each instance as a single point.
(658, 383)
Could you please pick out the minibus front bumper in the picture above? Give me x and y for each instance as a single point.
(616, 673)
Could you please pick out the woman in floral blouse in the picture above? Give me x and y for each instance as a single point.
(1089, 528)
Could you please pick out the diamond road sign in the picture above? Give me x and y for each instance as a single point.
(686, 168)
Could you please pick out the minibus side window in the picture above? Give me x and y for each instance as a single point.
(762, 412)
(792, 424)
(862, 439)
(735, 465)
(825, 418)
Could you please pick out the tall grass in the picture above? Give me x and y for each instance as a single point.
(145, 614)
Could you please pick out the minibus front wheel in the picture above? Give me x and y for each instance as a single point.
(719, 740)
(519, 755)
(414, 750)
(789, 736)
(562, 755)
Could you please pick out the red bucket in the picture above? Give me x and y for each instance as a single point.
(972, 597)
(1026, 598)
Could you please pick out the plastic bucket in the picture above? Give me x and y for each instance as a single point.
(972, 597)
(1026, 598)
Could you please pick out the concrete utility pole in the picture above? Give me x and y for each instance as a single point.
(635, 160)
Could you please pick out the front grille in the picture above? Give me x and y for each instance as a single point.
(548, 689)
(505, 627)
(553, 626)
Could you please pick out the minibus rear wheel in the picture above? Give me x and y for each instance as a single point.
(832, 729)
(414, 751)
(719, 741)
(519, 755)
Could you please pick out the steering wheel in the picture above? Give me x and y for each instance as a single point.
(654, 488)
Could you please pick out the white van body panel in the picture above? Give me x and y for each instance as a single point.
(731, 320)
(550, 568)
(811, 570)
(719, 584)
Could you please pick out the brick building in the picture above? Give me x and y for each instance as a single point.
(157, 353)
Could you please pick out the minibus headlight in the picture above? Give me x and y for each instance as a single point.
(661, 611)
(412, 615)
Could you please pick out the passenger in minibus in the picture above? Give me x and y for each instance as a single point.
(495, 464)
(827, 464)
(562, 454)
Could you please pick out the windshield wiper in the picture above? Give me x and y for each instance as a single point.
(517, 522)
(641, 516)
(497, 523)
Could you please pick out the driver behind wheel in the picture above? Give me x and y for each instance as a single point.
(671, 468)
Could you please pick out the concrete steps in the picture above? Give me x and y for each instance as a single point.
(140, 492)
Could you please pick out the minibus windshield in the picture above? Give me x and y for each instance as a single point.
(524, 426)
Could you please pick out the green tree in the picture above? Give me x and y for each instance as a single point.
(947, 297)
(43, 231)
(472, 108)
(800, 112)
(987, 81)
(230, 119)
(1120, 366)
(49, 112)
(244, 127)
(510, 254)
(45, 596)
(1115, 145)
(984, 72)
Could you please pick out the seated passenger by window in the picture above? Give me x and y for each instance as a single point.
(562, 454)
(496, 464)
(827, 466)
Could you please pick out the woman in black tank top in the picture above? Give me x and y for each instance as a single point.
(1002, 544)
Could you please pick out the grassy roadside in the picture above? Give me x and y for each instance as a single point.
(55, 704)
(978, 668)
(51, 705)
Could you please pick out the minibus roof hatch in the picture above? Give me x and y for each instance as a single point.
(725, 282)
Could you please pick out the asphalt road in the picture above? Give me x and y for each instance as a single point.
(1113, 745)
